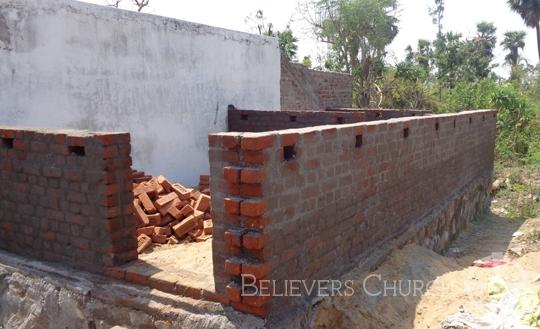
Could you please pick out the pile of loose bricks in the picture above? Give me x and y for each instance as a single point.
(168, 213)
(66, 196)
(310, 203)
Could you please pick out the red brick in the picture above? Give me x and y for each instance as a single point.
(257, 270)
(232, 267)
(252, 208)
(114, 272)
(140, 215)
(233, 292)
(165, 230)
(231, 175)
(233, 238)
(252, 176)
(254, 157)
(232, 206)
(162, 201)
(253, 240)
(230, 141)
(257, 143)
(258, 311)
(256, 301)
(147, 203)
(289, 139)
(203, 203)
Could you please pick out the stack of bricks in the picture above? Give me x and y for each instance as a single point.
(167, 213)
(66, 196)
(309, 203)
(240, 241)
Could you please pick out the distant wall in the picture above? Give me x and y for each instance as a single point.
(303, 89)
(257, 121)
(67, 64)
(309, 203)
(383, 114)
(66, 196)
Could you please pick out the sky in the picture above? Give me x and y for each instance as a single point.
(415, 23)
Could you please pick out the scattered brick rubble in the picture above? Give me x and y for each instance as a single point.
(168, 213)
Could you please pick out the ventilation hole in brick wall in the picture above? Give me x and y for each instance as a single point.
(494, 115)
(77, 150)
(292, 118)
(483, 117)
(243, 116)
(414, 114)
(405, 132)
(358, 143)
(7, 143)
(289, 153)
(454, 123)
(340, 120)
(470, 120)
(377, 114)
(436, 126)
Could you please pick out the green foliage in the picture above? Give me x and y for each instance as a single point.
(287, 43)
(357, 32)
(514, 121)
(306, 61)
(513, 42)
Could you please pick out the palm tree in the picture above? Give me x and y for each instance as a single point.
(513, 42)
(529, 10)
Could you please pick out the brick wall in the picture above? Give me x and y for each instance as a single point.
(309, 203)
(303, 89)
(383, 114)
(257, 121)
(66, 196)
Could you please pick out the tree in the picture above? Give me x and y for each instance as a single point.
(287, 43)
(529, 10)
(437, 14)
(357, 32)
(448, 58)
(478, 53)
(139, 4)
(286, 40)
(513, 42)
(306, 61)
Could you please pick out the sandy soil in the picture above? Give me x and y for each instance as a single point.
(452, 282)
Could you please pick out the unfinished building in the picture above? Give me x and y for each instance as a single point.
(304, 193)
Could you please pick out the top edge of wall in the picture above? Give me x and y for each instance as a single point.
(106, 12)
(68, 132)
(318, 71)
(402, 120)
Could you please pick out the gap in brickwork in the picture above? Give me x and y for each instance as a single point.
(358, 143)
(340, 120)
(436, 126)
(77, 150)
(470, 120)
(405, 132)
(454, 123)
(289, 152)
(243, 117)
(293, 118)
(7, 143)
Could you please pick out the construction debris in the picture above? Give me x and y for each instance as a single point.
(169, 213)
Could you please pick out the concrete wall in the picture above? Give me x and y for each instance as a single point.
(168, 82)
(303, 89)
(307, 204)
(256, 121)
(66, 196)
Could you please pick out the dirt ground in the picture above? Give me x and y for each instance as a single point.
(452, 283)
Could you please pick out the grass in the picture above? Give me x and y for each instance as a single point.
(519, 193)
